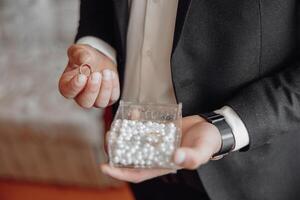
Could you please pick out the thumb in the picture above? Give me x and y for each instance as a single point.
(191, 158)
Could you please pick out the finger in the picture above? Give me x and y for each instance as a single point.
(71, 85)
(105, 89)
(133, 175)
(115, 94)
(191, 158)
(70, 68)
(88, 96)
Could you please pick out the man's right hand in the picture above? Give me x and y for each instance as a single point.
(100, 89)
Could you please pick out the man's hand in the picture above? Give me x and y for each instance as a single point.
(99, 89)
(200, 141)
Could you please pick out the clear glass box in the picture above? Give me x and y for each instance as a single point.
(144, 135)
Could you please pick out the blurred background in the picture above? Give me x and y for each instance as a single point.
(49, 147)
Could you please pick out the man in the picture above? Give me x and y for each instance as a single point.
(239, 59)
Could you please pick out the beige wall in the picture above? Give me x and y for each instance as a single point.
(34, 36)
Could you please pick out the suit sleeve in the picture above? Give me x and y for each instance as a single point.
(97, 20)
(271, 106)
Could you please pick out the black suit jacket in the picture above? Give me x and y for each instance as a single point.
(241, 53)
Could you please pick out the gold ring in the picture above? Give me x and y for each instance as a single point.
(85, 65)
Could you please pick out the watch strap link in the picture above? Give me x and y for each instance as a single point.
(227, 137)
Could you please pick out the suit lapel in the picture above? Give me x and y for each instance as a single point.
(122, 15)
(182, 11)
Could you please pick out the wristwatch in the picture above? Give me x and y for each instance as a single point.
(228, 141)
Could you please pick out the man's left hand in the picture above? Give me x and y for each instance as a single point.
(200, 141)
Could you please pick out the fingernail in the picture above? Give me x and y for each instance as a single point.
(107, 74)
(179, 157)
(96, 77)
(113, 75)
(81, 79)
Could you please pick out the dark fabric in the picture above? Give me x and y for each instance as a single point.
(244, 54)
(103, 26)
(183, 8)
(173, 186)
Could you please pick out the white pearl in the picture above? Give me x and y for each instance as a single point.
(145, 150)
(116, 159)
(155, 159)
(132, 150)
(132, 123)
(147, 130)
(128, 155)
(138, 137)
(168, 152)
(118, 152)
(119, 141)
(116, 125)
(147, 145)
(114, 129)
(133, 142)
(127, 129)
(126, 147)
(139, 123)
(122, 130)
(163, 150)
(123, 162)
(149, 139)
(137, 143)
(128, 137)
(121, 145)
(139, 157)
(155, 140)
(136, 162)
(129, 161)
(171, 125)
(142, 162)
(151, 148)
(151, 156)
(149, 162)
(149, 123)
(168, 139)
(111, 141)
(171, 148)
(113, 133)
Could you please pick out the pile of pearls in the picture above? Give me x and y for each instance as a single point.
(142, 144)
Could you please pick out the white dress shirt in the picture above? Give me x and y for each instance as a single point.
(148, 69)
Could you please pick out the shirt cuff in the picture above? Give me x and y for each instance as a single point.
(100, 45)
(237, 126)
